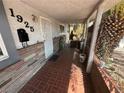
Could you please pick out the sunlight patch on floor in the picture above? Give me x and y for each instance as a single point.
(76, 80)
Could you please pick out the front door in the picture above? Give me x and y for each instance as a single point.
(48, 44)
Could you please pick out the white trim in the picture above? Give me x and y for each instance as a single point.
(3, 48)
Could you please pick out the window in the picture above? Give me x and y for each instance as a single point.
(3, 51)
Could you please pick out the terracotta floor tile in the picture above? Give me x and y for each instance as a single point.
(61, 76)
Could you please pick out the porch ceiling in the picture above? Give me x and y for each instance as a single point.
(68, 11)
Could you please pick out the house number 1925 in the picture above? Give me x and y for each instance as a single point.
(20, 20)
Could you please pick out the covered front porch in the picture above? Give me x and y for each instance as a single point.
(37, 55)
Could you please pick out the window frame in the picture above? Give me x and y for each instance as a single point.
(3, 49)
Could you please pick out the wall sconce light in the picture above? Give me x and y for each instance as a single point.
(34, 18)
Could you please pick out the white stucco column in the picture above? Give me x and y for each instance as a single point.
(86, 33)
(94, 37)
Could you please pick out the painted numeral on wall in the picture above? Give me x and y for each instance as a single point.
(12, 12)
(19, 18)
(31, 29)
(26, 24)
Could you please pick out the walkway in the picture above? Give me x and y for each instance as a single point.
(61, 76)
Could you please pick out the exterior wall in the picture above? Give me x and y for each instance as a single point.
(20, 8)
(8, 39)
(11, 40)
(26, 12)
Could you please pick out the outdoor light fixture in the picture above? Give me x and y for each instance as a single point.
(34, 18)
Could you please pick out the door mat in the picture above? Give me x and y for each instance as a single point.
(54, 57)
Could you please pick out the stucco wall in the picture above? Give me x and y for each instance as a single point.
(9, 26)
(20, 8)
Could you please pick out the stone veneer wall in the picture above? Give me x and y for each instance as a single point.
(57, 41)
(13, 78)
(32, 52)
(56, 44)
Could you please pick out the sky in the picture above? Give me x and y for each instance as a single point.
(121, 44)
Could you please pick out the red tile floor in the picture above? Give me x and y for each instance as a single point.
(61, 76)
